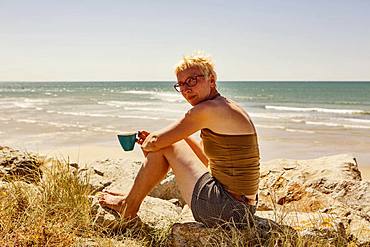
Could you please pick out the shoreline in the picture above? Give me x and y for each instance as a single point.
(87, 153)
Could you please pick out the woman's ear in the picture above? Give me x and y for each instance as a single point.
(212, 80)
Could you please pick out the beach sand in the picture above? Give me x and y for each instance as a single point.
(86, 147)
(84, 154)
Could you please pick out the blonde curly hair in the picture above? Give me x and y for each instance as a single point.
(199, 60)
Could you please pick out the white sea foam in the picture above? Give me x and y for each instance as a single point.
(297, 120)
(84, 114)
(151, 109)
(65, 125)
(164, 96)
(115, 103)
(316, 109)
(355, 120)
(331, 124)
(263, 115)
(31, 121)
(300, 131)
(355, 126)
(99, 129)
(138, 117)
(269, 126)
(56, 124)
(9, 103)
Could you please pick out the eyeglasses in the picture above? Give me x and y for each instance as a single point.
(189, 82)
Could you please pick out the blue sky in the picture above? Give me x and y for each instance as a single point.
(142, 40)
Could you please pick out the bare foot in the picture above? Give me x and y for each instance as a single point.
(117, 203)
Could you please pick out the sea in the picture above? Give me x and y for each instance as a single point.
(294, 119)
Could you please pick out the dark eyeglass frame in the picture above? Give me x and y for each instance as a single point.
(191, 81)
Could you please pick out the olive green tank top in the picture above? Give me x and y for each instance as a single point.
(233, 160)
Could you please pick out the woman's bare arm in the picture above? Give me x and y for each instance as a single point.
(194, 120)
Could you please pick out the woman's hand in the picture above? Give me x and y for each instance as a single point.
(142, 135)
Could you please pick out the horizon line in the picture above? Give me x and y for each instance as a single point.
(175, 80)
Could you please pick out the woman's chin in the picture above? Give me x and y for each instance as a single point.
(193, 101)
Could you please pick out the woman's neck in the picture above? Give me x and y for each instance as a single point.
(214, 94)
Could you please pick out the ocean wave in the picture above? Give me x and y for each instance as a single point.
(269, 126)
(31, 121)
(331, 124)
(84, 114)
(316, 109)
(284, 128)
(297, 120)
(99, 129)
(138, 117)
(355, 120)
(164, 96)
(263, 115)
(25, 103)
(115, 103)
(150, 109)
(61, 125)
(300, 131)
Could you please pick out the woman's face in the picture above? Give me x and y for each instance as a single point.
(200, 91)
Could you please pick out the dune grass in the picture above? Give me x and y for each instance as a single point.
(55, 210)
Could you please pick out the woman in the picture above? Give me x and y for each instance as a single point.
(218, 177)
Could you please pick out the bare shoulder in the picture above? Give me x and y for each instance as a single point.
(228, 117)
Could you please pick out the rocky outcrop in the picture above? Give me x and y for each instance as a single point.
(330, 185)
(119, 175)
(16, 165)
(326, 193)
(320, 197)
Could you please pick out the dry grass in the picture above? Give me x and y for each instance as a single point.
(56, 211)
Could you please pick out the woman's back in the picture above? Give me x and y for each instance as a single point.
(228, 118)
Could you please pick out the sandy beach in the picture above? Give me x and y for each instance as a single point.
(89, 153)
(273, 145)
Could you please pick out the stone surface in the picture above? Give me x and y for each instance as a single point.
(119, 175)
(15, 165)
(154, 213)
(330, 184)
(196, 234)
(167, 189)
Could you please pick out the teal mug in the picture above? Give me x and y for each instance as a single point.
(127, 140)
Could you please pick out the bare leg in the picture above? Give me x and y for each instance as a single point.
(185, 164)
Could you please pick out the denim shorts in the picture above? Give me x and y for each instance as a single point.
(212, 205)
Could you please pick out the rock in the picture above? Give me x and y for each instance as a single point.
(263, 232)
(167, 189)
(119, 175)
(330, 184)
(17, 165)
(115, 175)
(186, 215)
(154, 212)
